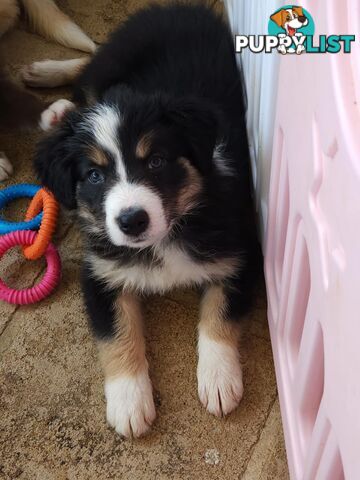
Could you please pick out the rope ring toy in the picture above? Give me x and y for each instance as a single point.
(50, 280)
(43, 200)
(12, 193)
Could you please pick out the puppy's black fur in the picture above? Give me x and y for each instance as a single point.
(169, 70)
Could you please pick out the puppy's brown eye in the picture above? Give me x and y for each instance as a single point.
(95, 176)
(156, 162)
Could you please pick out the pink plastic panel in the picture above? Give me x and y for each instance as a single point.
(313, 252)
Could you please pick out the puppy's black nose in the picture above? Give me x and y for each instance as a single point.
(302, 19)
(133, 221)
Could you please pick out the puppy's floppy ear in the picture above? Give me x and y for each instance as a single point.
(198, 122)
(278, 18)
(55, 161)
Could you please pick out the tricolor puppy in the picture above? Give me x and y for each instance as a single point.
(154, 159)
(290, 19)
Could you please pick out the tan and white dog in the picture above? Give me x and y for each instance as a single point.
(18, 108)
(290, 19)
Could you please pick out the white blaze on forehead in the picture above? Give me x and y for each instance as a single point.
(105, 122)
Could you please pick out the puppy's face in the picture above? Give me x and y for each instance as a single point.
(133, 167)
(135, 182)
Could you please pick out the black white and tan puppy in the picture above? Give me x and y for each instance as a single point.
(154, 159)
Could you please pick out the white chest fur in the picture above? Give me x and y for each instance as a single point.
(177, 269)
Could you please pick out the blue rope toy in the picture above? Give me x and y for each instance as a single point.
(9, 194)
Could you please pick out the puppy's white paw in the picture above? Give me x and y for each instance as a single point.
(130, 405)
(47, 73)
(6, 168)
(219, 375)
(54, 113)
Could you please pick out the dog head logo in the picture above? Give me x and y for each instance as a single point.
(290, 19)
(291, 24)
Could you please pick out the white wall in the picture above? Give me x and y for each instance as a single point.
(261, 78)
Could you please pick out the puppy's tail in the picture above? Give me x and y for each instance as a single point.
(47, 20)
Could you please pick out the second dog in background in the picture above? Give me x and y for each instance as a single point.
(19, 108)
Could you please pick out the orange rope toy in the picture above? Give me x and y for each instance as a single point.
(43, 200)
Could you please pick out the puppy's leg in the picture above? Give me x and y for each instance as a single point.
(117, 323)
(6, 168)
(47, 20)
(53, 73)
(219, 371)
(9, 12)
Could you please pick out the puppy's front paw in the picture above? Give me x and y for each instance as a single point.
(130, 405)
(6, 168)
(54, 113)
(219, 375)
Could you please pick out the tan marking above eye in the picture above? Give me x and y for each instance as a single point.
(143, 146)
(98, 156)
(187, 198)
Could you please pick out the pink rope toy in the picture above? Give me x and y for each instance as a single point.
(50, 280)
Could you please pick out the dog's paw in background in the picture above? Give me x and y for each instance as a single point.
(219, 373)
(47, 73)
(49, 21)
(54, 113)
(130, 405)
(53, 73)
(6, 168)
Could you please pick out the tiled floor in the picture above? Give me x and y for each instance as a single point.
(52, 422)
